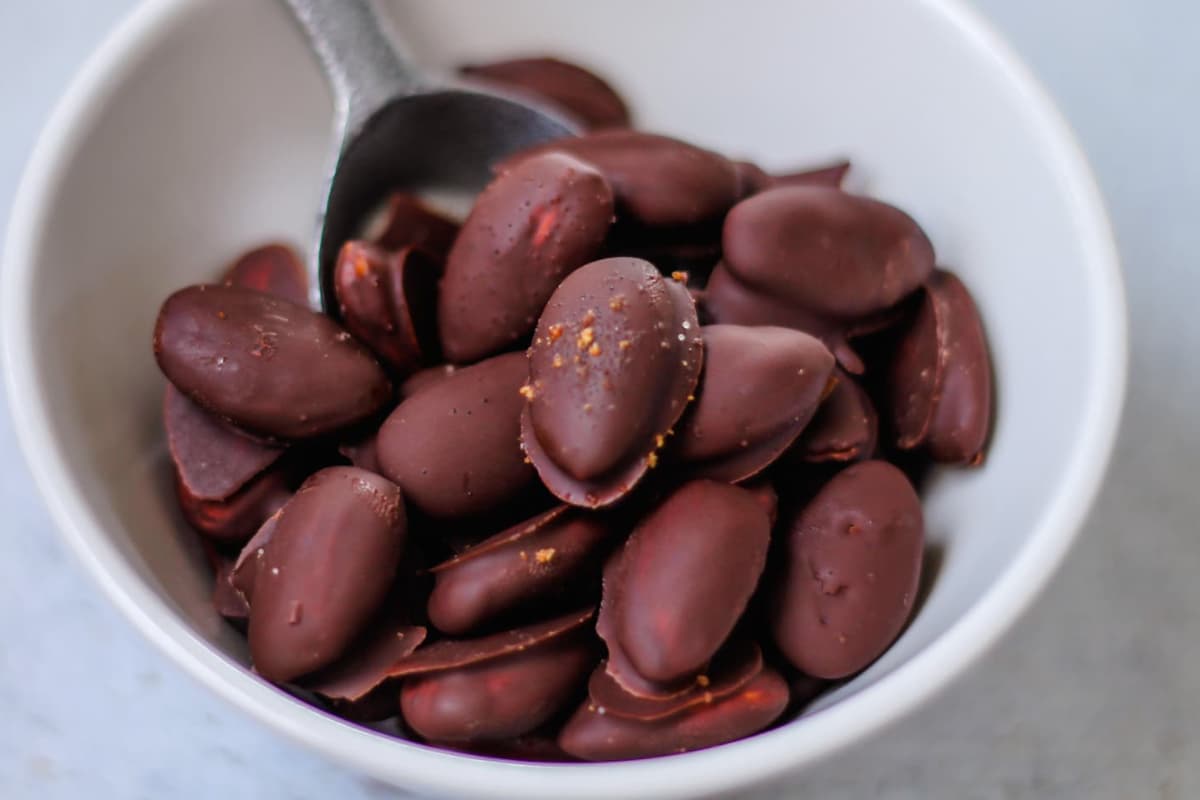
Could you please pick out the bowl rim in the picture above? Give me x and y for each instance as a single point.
(760, 758)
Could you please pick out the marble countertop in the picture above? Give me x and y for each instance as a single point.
(1095, 694)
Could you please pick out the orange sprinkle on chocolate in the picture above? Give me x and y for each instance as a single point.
(555, 331)
(586, 337)
(545, 555)
(526, 392)
(594, 350)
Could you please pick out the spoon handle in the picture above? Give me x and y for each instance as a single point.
(363, 67)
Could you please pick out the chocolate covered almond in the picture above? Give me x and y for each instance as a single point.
(324, 571)
(940, 378)
(728, 300)
(828, 253)
(845, 427)
(733, 667)
(614, 362)
(580, 92)
(454, 446)
(212, 460)
(759, 390)
(658, 181)
(388, 300)
(533, 224)
(274, 269)
(534, 560)
(409, 222)
(270, 366)
(685, 576)
(592, 735)
(235, 518)
(850, 572)
(498, 698)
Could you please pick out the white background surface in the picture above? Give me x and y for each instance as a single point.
(1096, 694)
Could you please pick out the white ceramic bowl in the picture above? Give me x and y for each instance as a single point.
(200, 129)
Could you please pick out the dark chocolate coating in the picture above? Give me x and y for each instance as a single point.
(850, 573)
(530, 561)
(580, 92)
(365, 665)
(828, 253)
(447, 654)
(687, 573)
(759, 390)
(453, 447)
(325, 570)
(732, 668)
(274, 269)
(594, 736)
(532, 226)
(658, 181)
(940, 382)
(272, 367)
(615, 359)
(408, 222)
(500, 698)
(212, 460)
(845, 427)
(238, 516)
(388, 301)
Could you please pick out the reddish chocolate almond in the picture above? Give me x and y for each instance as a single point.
(388, 300)
(531, 561)
(325, 569)
(615, 359)
(453, 447)
(531, 227)
(580, 92)
(454, 653)
(408, 222)
(365, 665)
(732, 668)
(658, 181)
(940, 382)
(759, 390)
(845, 427)
(828, 253)
(617, 664)
(595, 736)
(237, 517)
(273, 269)
(850, 573)
(267, 365)
(500, 698)
(687, 573)
(212, 460)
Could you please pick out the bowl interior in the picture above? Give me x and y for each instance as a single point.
(208, 135)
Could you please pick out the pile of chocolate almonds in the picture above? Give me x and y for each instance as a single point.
(624, 465)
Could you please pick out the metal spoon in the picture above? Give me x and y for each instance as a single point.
(396, 127)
